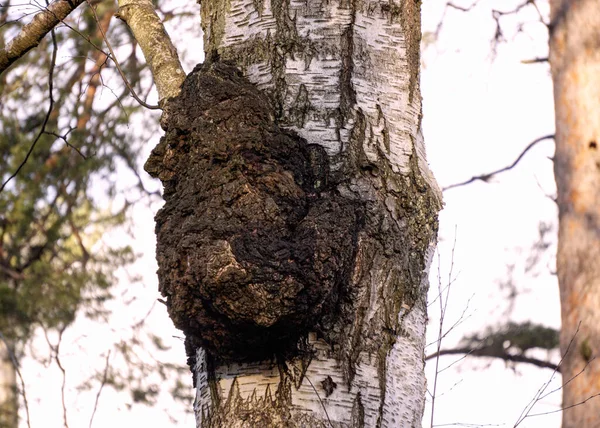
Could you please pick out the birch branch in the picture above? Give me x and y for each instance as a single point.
(32, 33)
(156, 45)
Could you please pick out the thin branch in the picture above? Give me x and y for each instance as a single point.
(55, 349)
(498, 13)
(443, 308)
(32, 33)
(84, 37)
(497, 16)
(454, 362)
(569, 381)
(104, 380)
(462, 8)
(451, 5)
(114, 58)
(13, 274)
(485, 352)
(64, 138)
(320, 401)
(534, 60)
(537, 397)
(486, 177)
(48, 113)
(562, 409)
(463, 424)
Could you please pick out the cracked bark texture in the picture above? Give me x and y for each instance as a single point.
(575, 65)
(342, 76)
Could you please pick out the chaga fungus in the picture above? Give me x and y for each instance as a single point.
(254, 242)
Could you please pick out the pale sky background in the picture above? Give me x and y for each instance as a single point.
(479, 114)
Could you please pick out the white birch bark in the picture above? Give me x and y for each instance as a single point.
(344, 75)
(9, 403)
(156, 45)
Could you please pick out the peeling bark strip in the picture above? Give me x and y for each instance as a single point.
(253, 256)
(575, 64)
(32, 33)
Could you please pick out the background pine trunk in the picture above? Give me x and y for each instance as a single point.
(575, 64)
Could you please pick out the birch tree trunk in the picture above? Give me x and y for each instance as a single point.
(575, 64)
(345, 76)
(9, 401)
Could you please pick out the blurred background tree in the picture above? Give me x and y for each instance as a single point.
(68, 176)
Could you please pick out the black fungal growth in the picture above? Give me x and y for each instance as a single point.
(254, 243)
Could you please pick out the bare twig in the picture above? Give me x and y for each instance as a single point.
(462, 8)
(497, 15)
(46, 118)
(540, 393)
(55, 350)
(562, 409)
(451, 5)
(486, 177)
(84, 37)
(320, 401)
(462, 424)
(443, 307)
(64, 138)
(118, 66)
(104, 380)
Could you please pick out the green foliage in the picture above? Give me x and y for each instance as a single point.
(81, 178)
(53, 260)
(517, 336)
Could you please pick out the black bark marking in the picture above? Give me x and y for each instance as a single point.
(358, 413)
(328, 386)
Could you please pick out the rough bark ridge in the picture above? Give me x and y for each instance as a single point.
(254, 243)
(575, 65)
